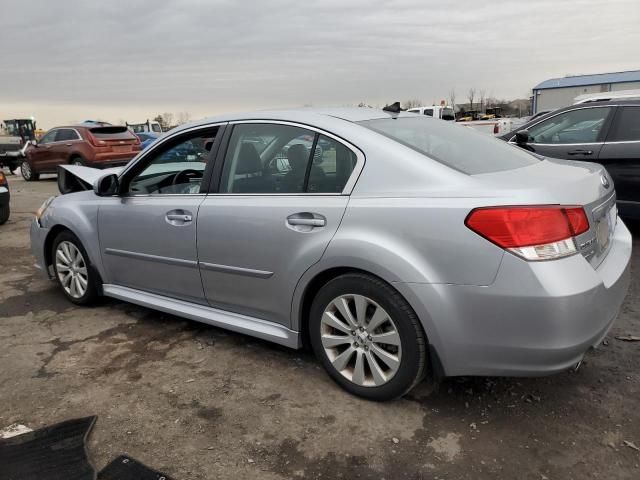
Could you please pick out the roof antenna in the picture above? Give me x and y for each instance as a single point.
(393, 108)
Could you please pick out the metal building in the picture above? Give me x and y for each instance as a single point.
(560, 92)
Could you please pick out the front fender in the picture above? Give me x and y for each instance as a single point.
(77, 212)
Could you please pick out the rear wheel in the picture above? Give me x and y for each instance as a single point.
(27, 172)
(5, 211)
(73, 269)
(77, 161)
(367, 337)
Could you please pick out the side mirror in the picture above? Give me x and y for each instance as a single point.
(522, 137)
(106, 186)
(34, 143)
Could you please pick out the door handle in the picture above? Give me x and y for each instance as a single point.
(310, 222)
(580, 152)
(179, 217)
(68, 144)
(306, 219)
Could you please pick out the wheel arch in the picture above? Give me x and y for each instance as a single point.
(313, 282)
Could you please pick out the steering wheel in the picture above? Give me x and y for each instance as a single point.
(185, 176)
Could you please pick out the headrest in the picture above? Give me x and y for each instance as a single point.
(298, 155)
(248, 160)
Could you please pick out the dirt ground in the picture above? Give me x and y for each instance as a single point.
(198, 402)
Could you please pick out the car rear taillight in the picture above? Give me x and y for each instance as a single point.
(94, 141)
(496, 129)
(531, 232)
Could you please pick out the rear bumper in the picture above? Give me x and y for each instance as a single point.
(106, 160)
(537, 318)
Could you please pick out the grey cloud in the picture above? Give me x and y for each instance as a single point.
(221, 55)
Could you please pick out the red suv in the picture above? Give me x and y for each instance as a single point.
(89, 145)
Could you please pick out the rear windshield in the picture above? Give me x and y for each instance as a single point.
(111, 132)
(447, 114)
(456, 146)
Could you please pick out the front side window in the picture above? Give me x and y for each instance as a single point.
(627, 128)
(49, 137)
(272, 158)
(576, 126)
(156, 128)
(177, 167)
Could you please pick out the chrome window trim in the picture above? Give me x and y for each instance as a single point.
(353, 178)
(621, 141)
(586, 106)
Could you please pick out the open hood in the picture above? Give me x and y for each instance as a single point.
(74, 178)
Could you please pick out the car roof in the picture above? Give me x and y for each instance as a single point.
(302, 115)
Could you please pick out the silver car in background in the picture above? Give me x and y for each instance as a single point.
(398, 246)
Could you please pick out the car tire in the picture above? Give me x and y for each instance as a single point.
(78, 161)
(5, 211)
(27, 172)
(380, 352)
(73, 270)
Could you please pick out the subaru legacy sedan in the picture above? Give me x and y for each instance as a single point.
(398, 246)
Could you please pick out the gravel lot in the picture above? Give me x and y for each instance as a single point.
(199, 402)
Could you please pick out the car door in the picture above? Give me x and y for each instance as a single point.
(278, 203)
(620, 155)
(148, 232)
(66, 138)
(576, 134)
(41, 154)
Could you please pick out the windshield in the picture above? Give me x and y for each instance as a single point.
(458, 147)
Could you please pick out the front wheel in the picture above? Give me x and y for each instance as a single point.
(73, 269)
(27, 172)
(367, 337)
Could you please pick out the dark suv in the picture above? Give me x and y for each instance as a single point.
(90, 145)
(606, 132)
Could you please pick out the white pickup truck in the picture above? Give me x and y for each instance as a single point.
(494, 126)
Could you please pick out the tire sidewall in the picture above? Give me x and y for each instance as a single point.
(413, 347)
(32, 173)
(92, 286)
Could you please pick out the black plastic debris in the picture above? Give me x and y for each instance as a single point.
(57, 452)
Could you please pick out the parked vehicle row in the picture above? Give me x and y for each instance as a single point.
(84, 144)
(399, 246)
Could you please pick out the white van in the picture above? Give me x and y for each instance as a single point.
(149, 126)
(436, 111)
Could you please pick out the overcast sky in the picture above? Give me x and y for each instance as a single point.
(72, 60)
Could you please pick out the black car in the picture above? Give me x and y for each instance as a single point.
(606, 132)
(4, 199)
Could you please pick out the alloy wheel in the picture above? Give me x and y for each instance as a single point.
(25, 168)
(361, 340)
(71, 269)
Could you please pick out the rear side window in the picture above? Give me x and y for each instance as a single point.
(627, 125)
(428, 112)
(460, 148)
(66, 134)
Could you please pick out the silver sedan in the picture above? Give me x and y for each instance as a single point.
(400, 247)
